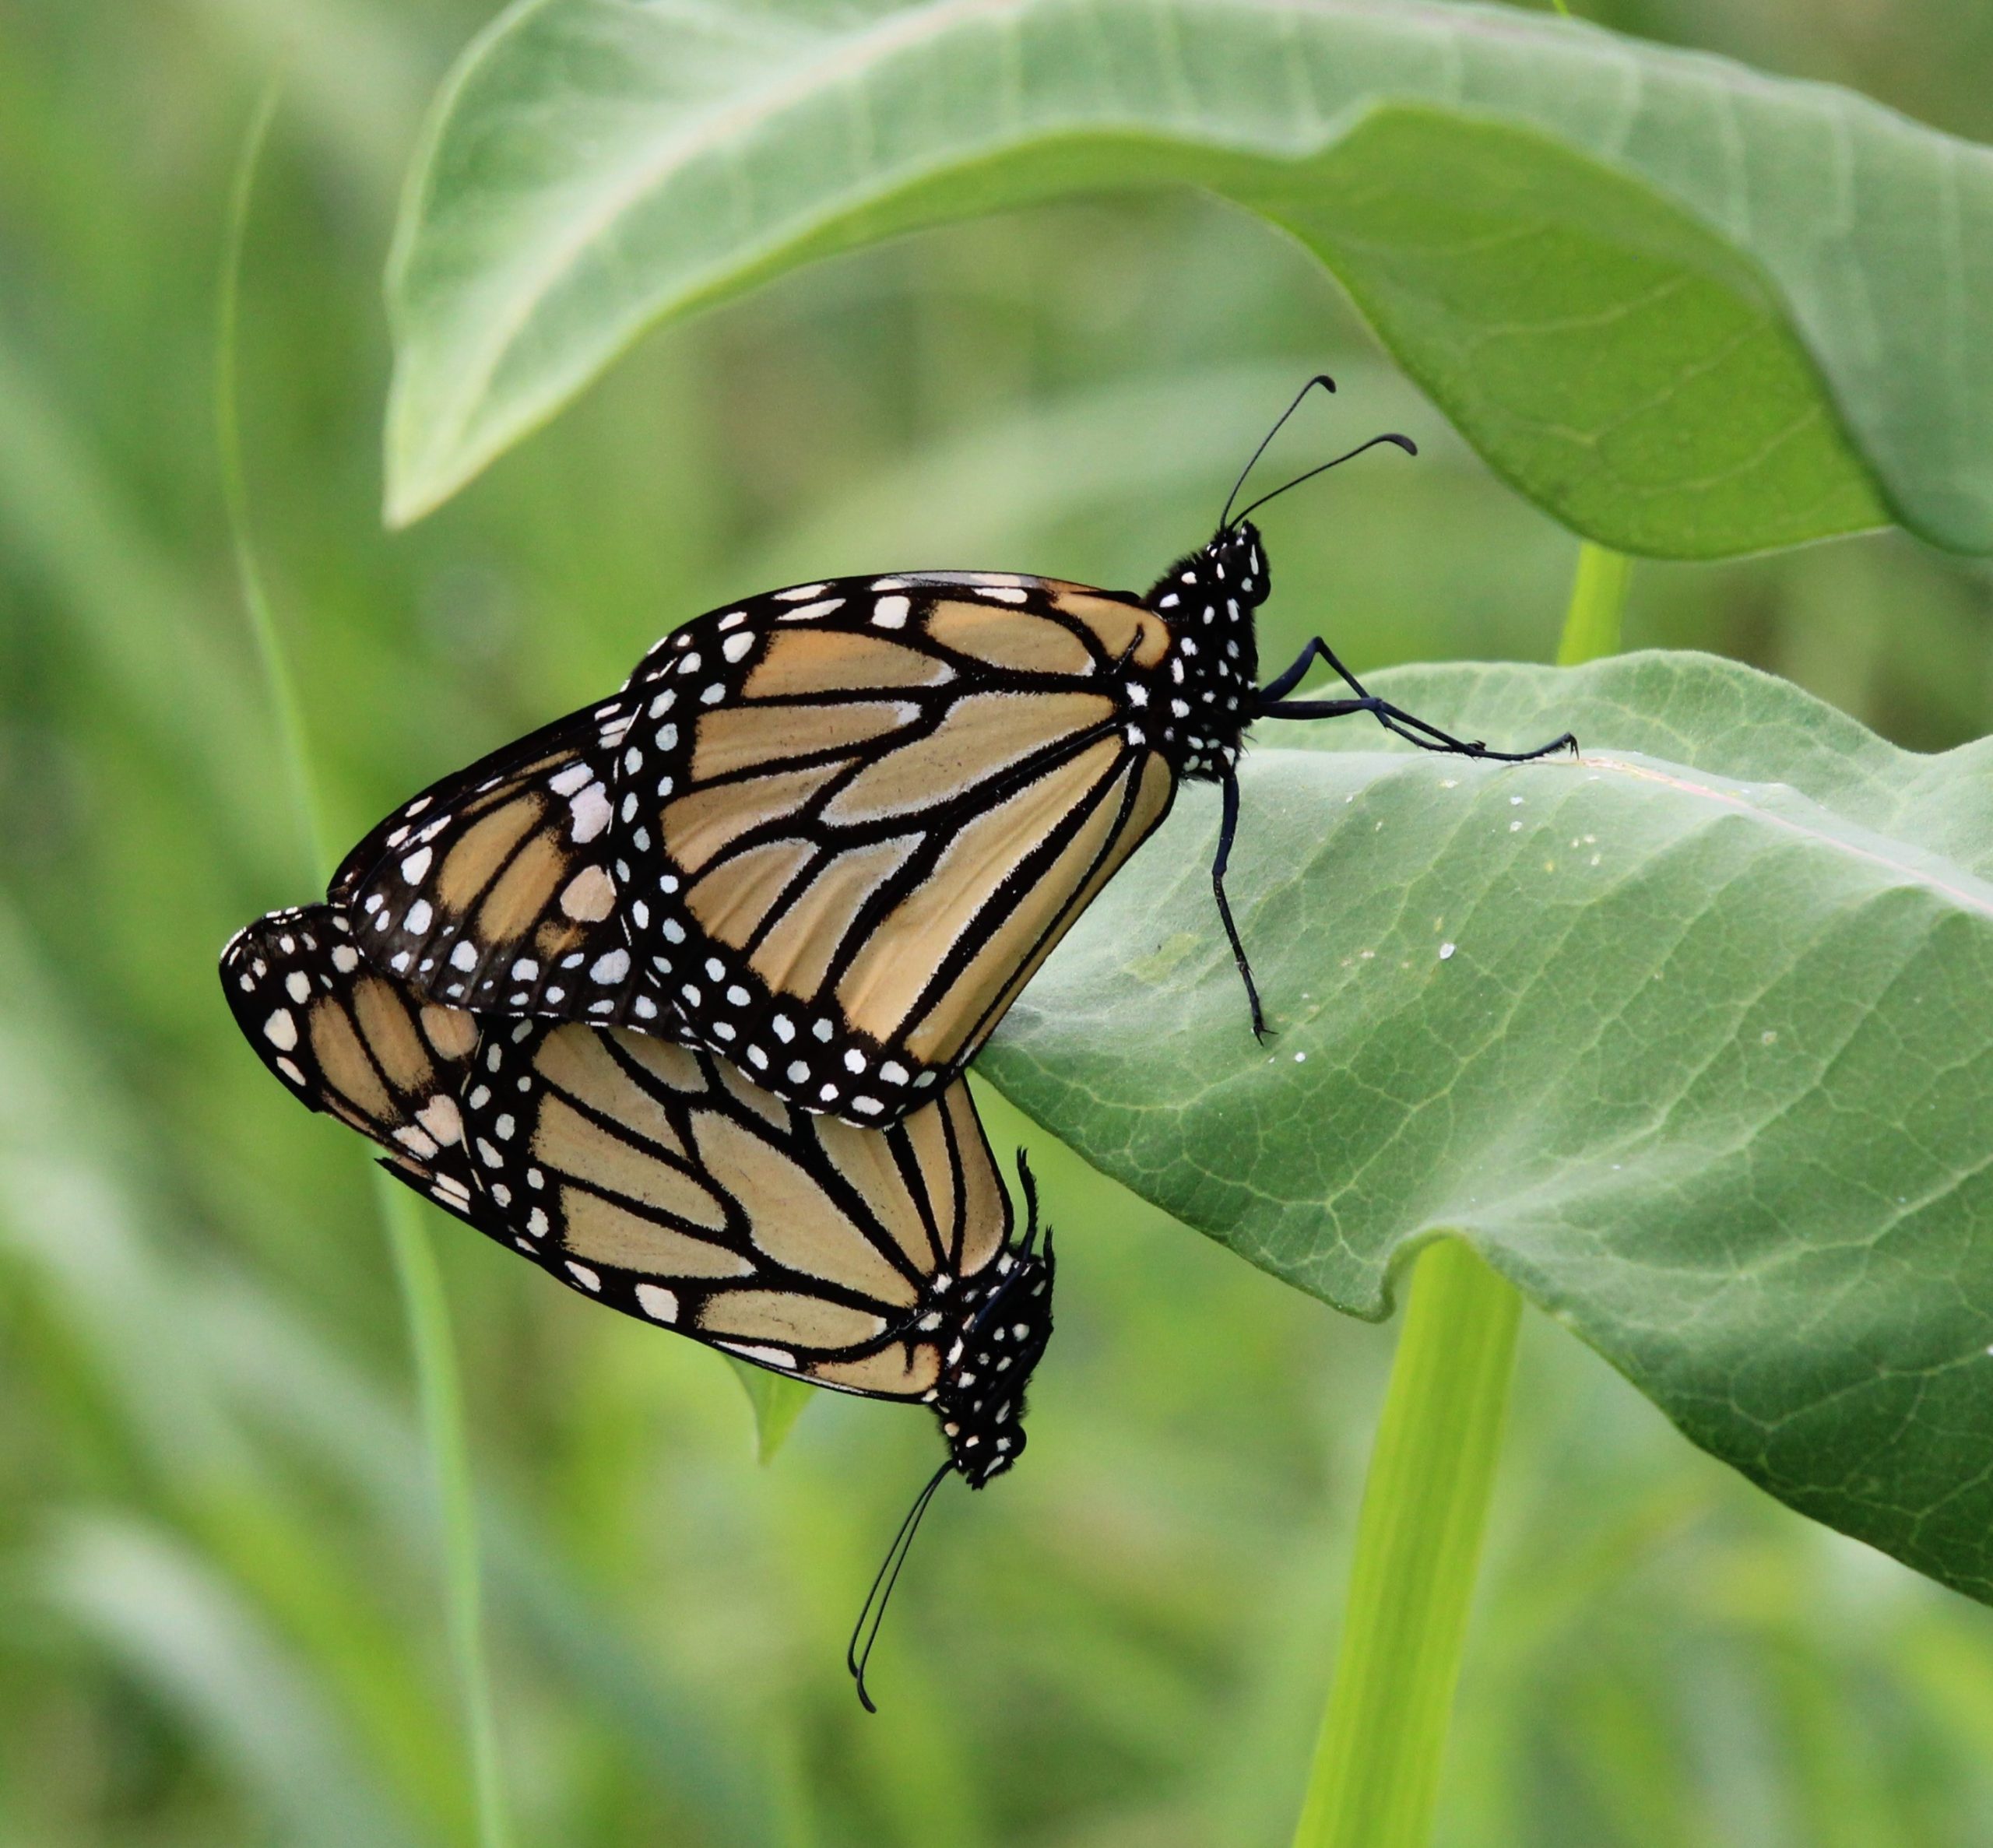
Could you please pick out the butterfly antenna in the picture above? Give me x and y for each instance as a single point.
(1327, 384)
(1390, 436)
(856, 1658)
(1030, 1181)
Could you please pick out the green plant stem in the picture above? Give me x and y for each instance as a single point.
(440, 1390)
(431, 1340)
(1376, 1770)
(293, 739)
(1598, 595)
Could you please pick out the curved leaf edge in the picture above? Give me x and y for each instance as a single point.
(905, 204)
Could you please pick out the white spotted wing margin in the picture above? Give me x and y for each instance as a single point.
(503, 887)
(655, 1179)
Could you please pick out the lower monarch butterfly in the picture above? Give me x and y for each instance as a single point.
(656, 1180)
(830, 832)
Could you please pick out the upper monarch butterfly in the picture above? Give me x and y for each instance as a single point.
(831, 831)
(656, 1180)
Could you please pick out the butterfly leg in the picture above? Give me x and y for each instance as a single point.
(1227, 831)
(1273, 704)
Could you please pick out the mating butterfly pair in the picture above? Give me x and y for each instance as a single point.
(675, 995)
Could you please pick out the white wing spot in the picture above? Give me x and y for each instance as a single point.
(657, 1302)
(281, 1030)
(417, 863)
(591, 813)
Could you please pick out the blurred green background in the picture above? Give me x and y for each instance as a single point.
(219, 1620)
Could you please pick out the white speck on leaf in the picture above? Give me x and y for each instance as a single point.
(1446, 950)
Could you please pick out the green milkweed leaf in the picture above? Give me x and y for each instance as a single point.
(1691, 310)
(1691, 1039)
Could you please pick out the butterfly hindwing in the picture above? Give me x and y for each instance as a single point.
(658, 1180)
(503, 887)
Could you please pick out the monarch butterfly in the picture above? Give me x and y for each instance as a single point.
(831, 832)
(654, 1179)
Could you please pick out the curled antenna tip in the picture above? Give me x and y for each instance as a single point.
(1404, 442)
(1322, 379)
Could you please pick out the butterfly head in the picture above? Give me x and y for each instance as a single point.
(1007, 1322)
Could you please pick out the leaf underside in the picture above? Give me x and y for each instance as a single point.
(1690, 310)
(1692, 1040)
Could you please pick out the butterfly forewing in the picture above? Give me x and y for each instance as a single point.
(878, 805)
(828, 833)
(356, 1045)
(504, 886)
